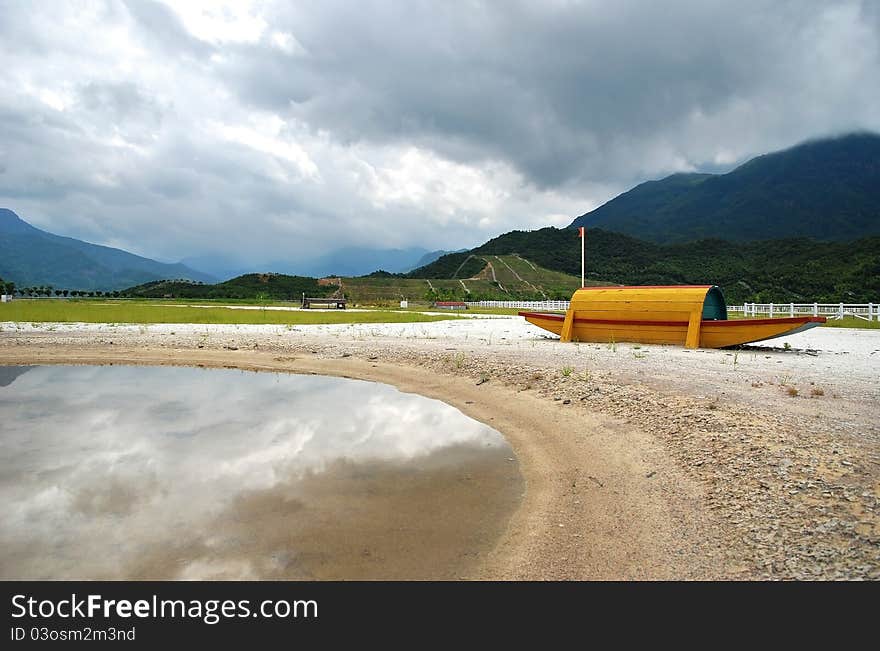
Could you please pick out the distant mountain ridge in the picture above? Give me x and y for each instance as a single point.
(33, 257)
(429, 257)
(797, 269)
(825, 189)
(267, 286)
(347, 261)
(358, 261)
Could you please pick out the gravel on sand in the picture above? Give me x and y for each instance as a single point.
(640, 461)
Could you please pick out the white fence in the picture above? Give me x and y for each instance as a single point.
(866, 311)
(523, 305)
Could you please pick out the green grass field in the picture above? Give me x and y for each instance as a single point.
(509, 311)
(183, 311)
(852, 322)
(847, 322)
(100, 311)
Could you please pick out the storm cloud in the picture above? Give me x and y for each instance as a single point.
(267, 130)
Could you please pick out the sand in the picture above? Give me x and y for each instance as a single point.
(640, 462)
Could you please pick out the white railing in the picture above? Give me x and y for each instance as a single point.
(866, 311)
(522, 305)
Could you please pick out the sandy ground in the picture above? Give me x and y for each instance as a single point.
(639, 461)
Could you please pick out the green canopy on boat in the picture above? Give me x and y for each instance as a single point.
(714, 306)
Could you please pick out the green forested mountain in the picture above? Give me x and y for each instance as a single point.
(250, 286)
(824, 189)
(797, 269)
(800, 224)
(30, 256)
(452, 265)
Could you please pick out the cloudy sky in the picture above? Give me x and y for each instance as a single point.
(264, 130)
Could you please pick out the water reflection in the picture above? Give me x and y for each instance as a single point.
(138, 472)
(9, 373)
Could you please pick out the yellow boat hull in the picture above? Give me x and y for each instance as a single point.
(712, 333)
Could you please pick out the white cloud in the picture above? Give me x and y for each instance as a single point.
(287, 43)
(221, 22)
(270, 140)
(52, 99)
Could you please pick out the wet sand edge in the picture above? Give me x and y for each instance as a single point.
(602, 499)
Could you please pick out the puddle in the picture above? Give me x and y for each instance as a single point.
(181, 473)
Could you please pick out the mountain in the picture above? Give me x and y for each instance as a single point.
(355, 261)
(824, 189)
(30, 256)
(460, 264)
(795, 270)
(429, 257)
(267, 286)
(218, 266)
(349, 261)
(8, 374)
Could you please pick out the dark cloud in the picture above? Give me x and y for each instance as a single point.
(565, 91)
(266, 131)
(120, 102)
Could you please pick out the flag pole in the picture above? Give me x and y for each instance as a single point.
(583, 241)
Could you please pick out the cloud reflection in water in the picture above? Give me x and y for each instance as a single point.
(104, 467)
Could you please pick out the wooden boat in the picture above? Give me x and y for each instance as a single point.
(694, 316)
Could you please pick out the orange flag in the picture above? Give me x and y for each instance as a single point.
(580, 231)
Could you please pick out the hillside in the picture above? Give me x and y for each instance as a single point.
(491, 277)
(452, 265)
(514, 278)
(824, 189)
(30, 257)
(430, 257)
(778, 270)
(268, 286)
(355, 261)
